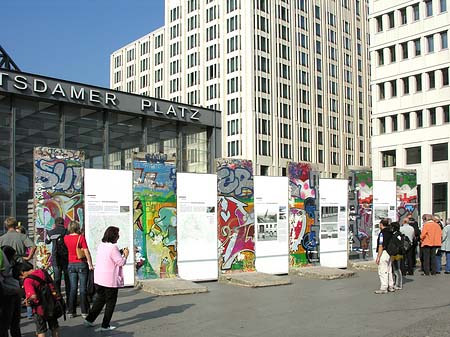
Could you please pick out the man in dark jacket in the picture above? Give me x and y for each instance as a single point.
(59, 261)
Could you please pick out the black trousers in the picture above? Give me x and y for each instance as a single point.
(429, 260)
(10, 318)
(104, 297)
(58, 271)
(407, 263)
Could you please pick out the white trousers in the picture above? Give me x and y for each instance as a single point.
(385, 271)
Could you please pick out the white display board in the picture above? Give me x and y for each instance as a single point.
(333, 222)
(109, 202)
(271, 224)
(197, 226)
(384, 206)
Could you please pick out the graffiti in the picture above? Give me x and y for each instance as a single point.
(407, 198)
(360, 217)
(154, 217)
(303, 243)
(236, 223)
(58, 192)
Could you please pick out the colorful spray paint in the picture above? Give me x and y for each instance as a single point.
(235, 212)
(58, 192)
(155, 216)
(360, 214)
(303, 229)
(407, 198)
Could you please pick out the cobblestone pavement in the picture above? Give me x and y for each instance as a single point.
(344, 307)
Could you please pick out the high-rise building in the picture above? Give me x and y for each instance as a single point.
(291, 77)
(411, 95)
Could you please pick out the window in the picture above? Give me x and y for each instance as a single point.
(444, 40)
(407, 121)
(432, 112)
(394, 123)
(391, 19)
(439, 152)
(404, 47)
(382, 125)
(380, 57)
(381, 91)
(429, 7)
(317, 12)
(416, 12)
(430, 43)
(393, 88)
(440, 199)
(379, 20)
(404, 16)
(446, 113)
(444, 72)
(418, 82)
(392, 52)
(431, 80)
(405, 81)
(443, 5)
(413, 155)
(417, 47)
(388, 158)
(419, 119)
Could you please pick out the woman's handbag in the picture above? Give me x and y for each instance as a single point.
(80, 251)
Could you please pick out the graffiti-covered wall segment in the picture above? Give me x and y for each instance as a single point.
(235, 212)
(58, 192)
(304, 230)
(155, 216)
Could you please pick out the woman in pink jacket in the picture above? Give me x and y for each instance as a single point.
(108, 278)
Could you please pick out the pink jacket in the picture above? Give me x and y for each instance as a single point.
(108, 266)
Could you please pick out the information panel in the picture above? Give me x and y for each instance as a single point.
(333, 222)
(109, 202)
(197, 226)
(384, 206)
(271, 213)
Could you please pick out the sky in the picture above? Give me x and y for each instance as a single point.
(73, 39)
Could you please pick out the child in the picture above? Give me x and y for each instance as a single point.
(31, 286)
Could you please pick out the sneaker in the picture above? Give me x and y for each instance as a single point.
(391, 290)
(70, 315)
(84, 315)
(380, 291)
(87, 323)
(106, 329)
(397, 288)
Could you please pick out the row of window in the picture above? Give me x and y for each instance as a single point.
(391, 88)
(439, 152)
(418, 49)
(400, 17)
(419, 118)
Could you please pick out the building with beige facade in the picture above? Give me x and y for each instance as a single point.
(291, 77)
(411, 95)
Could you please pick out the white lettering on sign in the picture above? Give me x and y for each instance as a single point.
(171, 110)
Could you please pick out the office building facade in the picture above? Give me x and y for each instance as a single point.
(411, 95)
(290, 77)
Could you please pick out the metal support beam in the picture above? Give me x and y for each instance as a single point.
(12, 153)
(6, 62)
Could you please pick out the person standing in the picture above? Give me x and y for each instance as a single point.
(430, 241)
(446, 245)
(20, 242)
(60, 256)
(108, 277)
(78, 269)
(407, 264)
(383, 259)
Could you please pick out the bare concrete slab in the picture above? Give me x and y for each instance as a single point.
(254, 279)
(170, 287)
(364, 265)
(322, 273)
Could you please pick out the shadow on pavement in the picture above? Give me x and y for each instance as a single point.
(133, 304)
(174, 309)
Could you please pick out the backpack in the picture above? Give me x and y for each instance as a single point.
(52, 303)
(407, 244)
(61, 252)
(396, 244)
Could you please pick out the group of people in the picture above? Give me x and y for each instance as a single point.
(431, 242)
(21, 284)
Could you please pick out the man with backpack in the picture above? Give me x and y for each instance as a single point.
(20, 242)
(41, 294)
(60, 255)
(383, 259)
